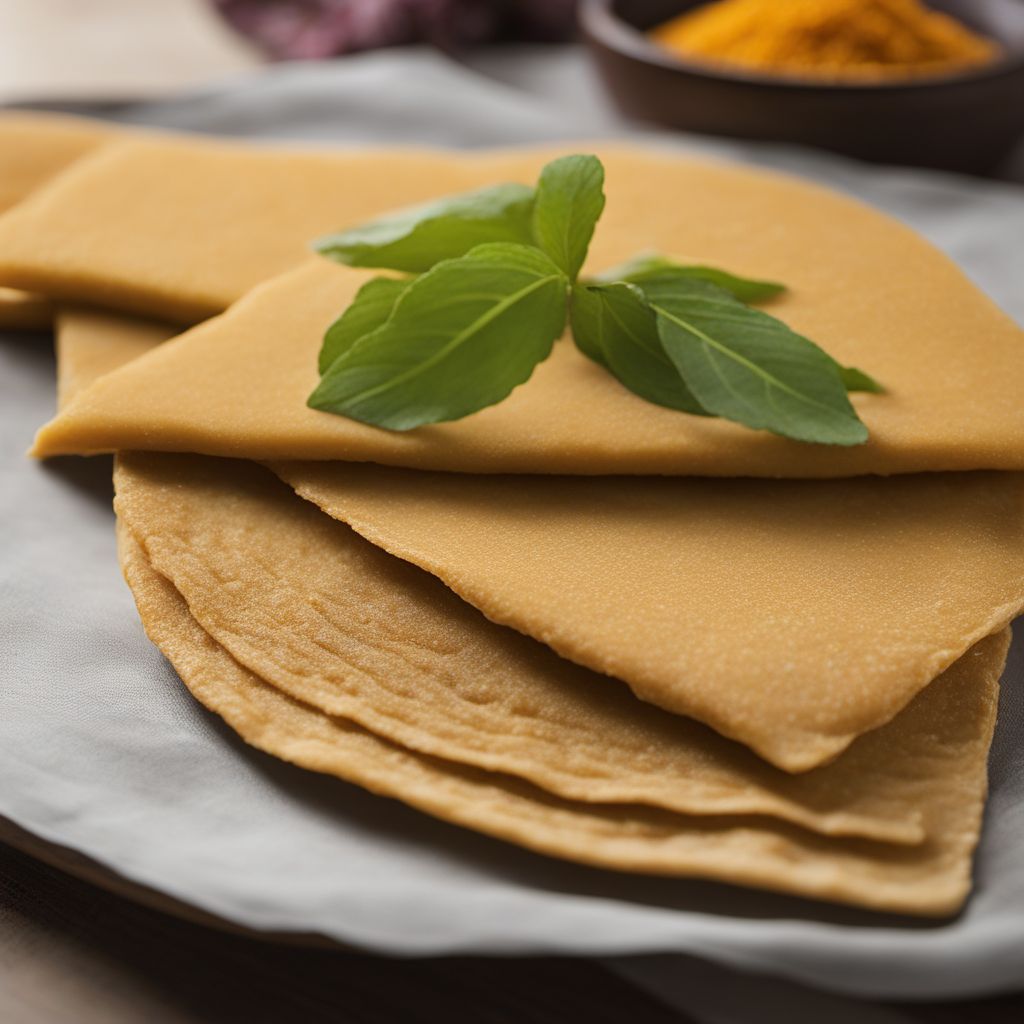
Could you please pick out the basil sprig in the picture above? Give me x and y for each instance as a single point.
(498, 280)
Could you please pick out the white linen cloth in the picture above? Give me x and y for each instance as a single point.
(103, 750)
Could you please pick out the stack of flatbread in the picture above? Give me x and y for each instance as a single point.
(577, 621)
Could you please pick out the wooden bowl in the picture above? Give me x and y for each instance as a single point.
(966, 121)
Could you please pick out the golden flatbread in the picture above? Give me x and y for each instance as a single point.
(312, 608)
(36, 147)
(33, 149)
(884, 580)
(789, 615)
(92, 342)
(226, 217)
(932, 878)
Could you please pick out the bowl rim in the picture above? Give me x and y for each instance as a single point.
(602, 25)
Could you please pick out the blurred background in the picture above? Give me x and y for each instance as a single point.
(119, 49)
(613, 62)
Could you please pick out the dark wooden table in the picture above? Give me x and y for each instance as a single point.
(74, 952)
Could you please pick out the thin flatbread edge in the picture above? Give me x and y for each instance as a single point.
(336, 623)
(931, 880)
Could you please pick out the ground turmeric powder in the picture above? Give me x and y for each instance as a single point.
(827, 38)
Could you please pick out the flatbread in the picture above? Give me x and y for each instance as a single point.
(36, 147)
(333, 621)
(515, 548)
(33, 149)
(93, 342)
(930, 879)
(789, 615)
(226, 217)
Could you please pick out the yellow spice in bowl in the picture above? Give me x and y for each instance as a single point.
(827, 38)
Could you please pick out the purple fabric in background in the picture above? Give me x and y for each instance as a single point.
(315, 29)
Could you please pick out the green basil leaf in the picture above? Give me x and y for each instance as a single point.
(751, 368)
(858, 380)
(416, 238)
(652, 268)
(370, 308)
(460, 338)
(569, 201)
(614, 326)
(586, 320)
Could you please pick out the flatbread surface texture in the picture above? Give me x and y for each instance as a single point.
(883, 299)
(789, 615)
(92, 342)
(920, 567)
(36, 147)
(33, 149)
(311, 607)
(932, 878)
(227, 216)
